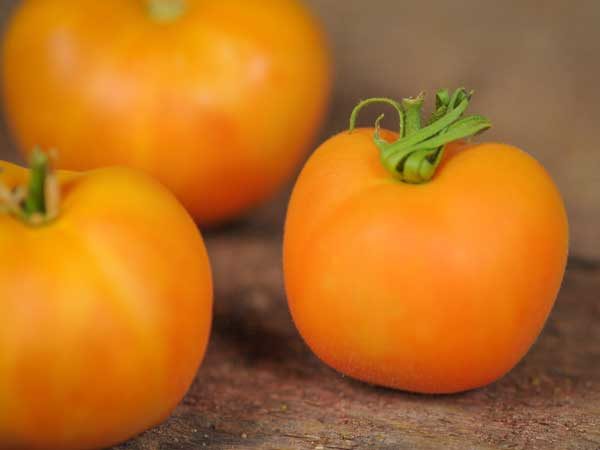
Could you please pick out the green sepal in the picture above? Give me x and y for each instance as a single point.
(416, 154)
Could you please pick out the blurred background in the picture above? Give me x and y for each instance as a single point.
(534, 66)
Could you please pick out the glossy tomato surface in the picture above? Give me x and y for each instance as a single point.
(219, 103)
(436, 288)
(104, 316)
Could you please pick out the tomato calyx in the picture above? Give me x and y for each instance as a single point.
(38, 203)
(415, 156)
(165, 11)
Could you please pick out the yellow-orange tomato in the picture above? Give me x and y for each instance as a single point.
(437, 287)
(219, 100)
(105, 312)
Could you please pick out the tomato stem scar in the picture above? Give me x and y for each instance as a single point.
(165, 11)
(415, 156)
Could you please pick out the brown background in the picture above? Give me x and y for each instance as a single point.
(535, 67)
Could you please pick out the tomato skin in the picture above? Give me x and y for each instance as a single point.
(434, 288)
(220, 105)
(104, 316)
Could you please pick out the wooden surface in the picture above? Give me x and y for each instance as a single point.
(261, 388)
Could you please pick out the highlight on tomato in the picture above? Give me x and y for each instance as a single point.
(218, 100)
(105, 305)
(421, 260)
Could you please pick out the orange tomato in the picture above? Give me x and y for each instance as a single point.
(104, 315)
(436, 287)
(218, 100)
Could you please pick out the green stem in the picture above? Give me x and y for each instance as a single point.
(35, 201)
(166, 11)
(39, 202)
(412, 110)
(415, 156)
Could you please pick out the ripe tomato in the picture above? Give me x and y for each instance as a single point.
(436, 285)
(105, 310)
(218, 100)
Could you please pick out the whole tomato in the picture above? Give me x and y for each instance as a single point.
(428, 263)
(219, 100)
(105, 306)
